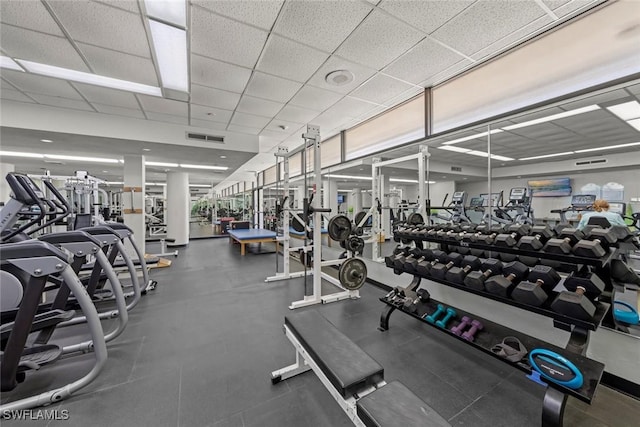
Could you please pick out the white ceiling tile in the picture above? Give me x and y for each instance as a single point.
(445, 74)
(212, 73)
(381, 88)
(297, 114)
(214, 97)
(314, 98)
(291, 127)
(275, 135)
(517, 36)
(167, 118)
(164, 106)
(249, 120)
(208, 124)
(243, 129)
(425, 15)
(423, 61)
(352, 107)
(331, 120)
(373, 112)
(221, 38)
(14, 95)
(259, 13)
(257, 106)
(128, 5)
(106, 96)
(41, 85)
(120, 65)
(211, 114)
(403, 96)
(289, 59)
(4, 84)
(334, 63)
(266, 143)
(271, 87)
(486, 22)
(565, 7)
(370, 45)
(37, 47)
(56, 101)
(28, 14)
(322, 24)
(119, 111)
(104, 26)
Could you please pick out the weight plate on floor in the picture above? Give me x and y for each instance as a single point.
(297, 224)
(415, 219)
(352, 274)
(339, 228)
(359, 217)
(355, 244)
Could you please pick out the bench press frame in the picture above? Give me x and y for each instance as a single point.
(304, 362)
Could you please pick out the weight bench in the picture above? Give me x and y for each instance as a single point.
(354, 379)
(253, 235)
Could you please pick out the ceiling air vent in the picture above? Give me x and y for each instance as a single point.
(208, 138)
(456, 169)
(591, 162)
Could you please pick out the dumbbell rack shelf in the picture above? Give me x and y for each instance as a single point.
(493, 333)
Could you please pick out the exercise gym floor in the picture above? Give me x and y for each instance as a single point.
(198, 351)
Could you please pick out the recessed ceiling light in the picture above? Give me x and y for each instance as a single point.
(46, 140)
(146, 149)
(283, 127)
(105, 171)
(211, 114)
(339, 77)
(223, 157)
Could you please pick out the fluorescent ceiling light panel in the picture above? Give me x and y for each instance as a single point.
(553, 117)
(493, 156)
(9, 64)
(635, 123)
(170, 46)
(456, 149)
(155, 184)
(166, 165)
(172, 11)
(470, 137)
(218, 168)
(611, 147)
(200, 185)
(502, 158)
(626, 111)
(113, 183)
(89, 78)
(409, 181)
(80, 158)
(21, 154)
(349, 177)
(544, 156)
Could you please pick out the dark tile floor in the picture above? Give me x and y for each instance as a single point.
(198, 351)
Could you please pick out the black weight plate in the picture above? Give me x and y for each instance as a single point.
(352, 274)
(359, 217)
(297, 224)
(355, 244)
(415, 219)
(339, 228)
(358, 231)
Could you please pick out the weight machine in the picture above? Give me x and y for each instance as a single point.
(312, 210)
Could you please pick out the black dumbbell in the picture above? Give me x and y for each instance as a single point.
(492, 264)
(530, 293)
(486, 239)
(558, 246)
(466, 321)
(476, 326)
(574, 304)
(506, 240)
(500, 285)
(439, 270)
(456, 258)
(457, 274)
(423, 295)
(476, 279)
(472, 261)
(529, 260)
(516, 268)
(399, 261)
(573, 234)
(539, 235)
(398, 251)
(411, 263)
(590, 248)
(545, 273)
(591, 283)
(423, 267)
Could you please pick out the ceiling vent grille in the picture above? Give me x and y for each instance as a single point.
(591, 162)
(203, 137)
(456, 169)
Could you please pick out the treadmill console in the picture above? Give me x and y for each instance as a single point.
(458, 197)
(518, 195)
(476, 202)
(583, 201)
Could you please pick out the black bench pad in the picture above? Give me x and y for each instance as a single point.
(396, 405)
(345, 364)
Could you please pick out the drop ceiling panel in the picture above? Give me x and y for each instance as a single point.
(221, 38)
(276, 135)
(4, 84)
(212, 73)
(381, 88)
(427, 16)
(314, 98)
(635, 89)
(296, 114)
(334, 63)
(166, 106)
(486, 22)
(258, 106)
(104, 26)
(55, 101)
(513, 38)
(214, 97)
(291, 127)
(199, 112)
(106, 96)
(120, 65)
(320, 24)
(14, 95)
(128, 5)
(249, 120)
(37, 47)
(167, 118)
(398, 99)
(569, 7)
(259, 13)
(423, 61)
(207, 124)
(352, 107)
(371, 46)
(41, 85)
(244, 129)
(271, 87)
(119, 111)
(29, 14)
(608, 98)
(288, 59)
(331, 120)
(446, 74)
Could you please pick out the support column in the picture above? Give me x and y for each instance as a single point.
(386, 214)
(5, 190)
(330, 196)
(356, 201)
(133, 199)
(178, 205)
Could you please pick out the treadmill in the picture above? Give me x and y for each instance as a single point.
(579, 203)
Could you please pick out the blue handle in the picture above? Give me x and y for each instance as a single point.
(553, 358)
(631, 317)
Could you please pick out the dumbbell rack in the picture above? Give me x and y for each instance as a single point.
(493, 333)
